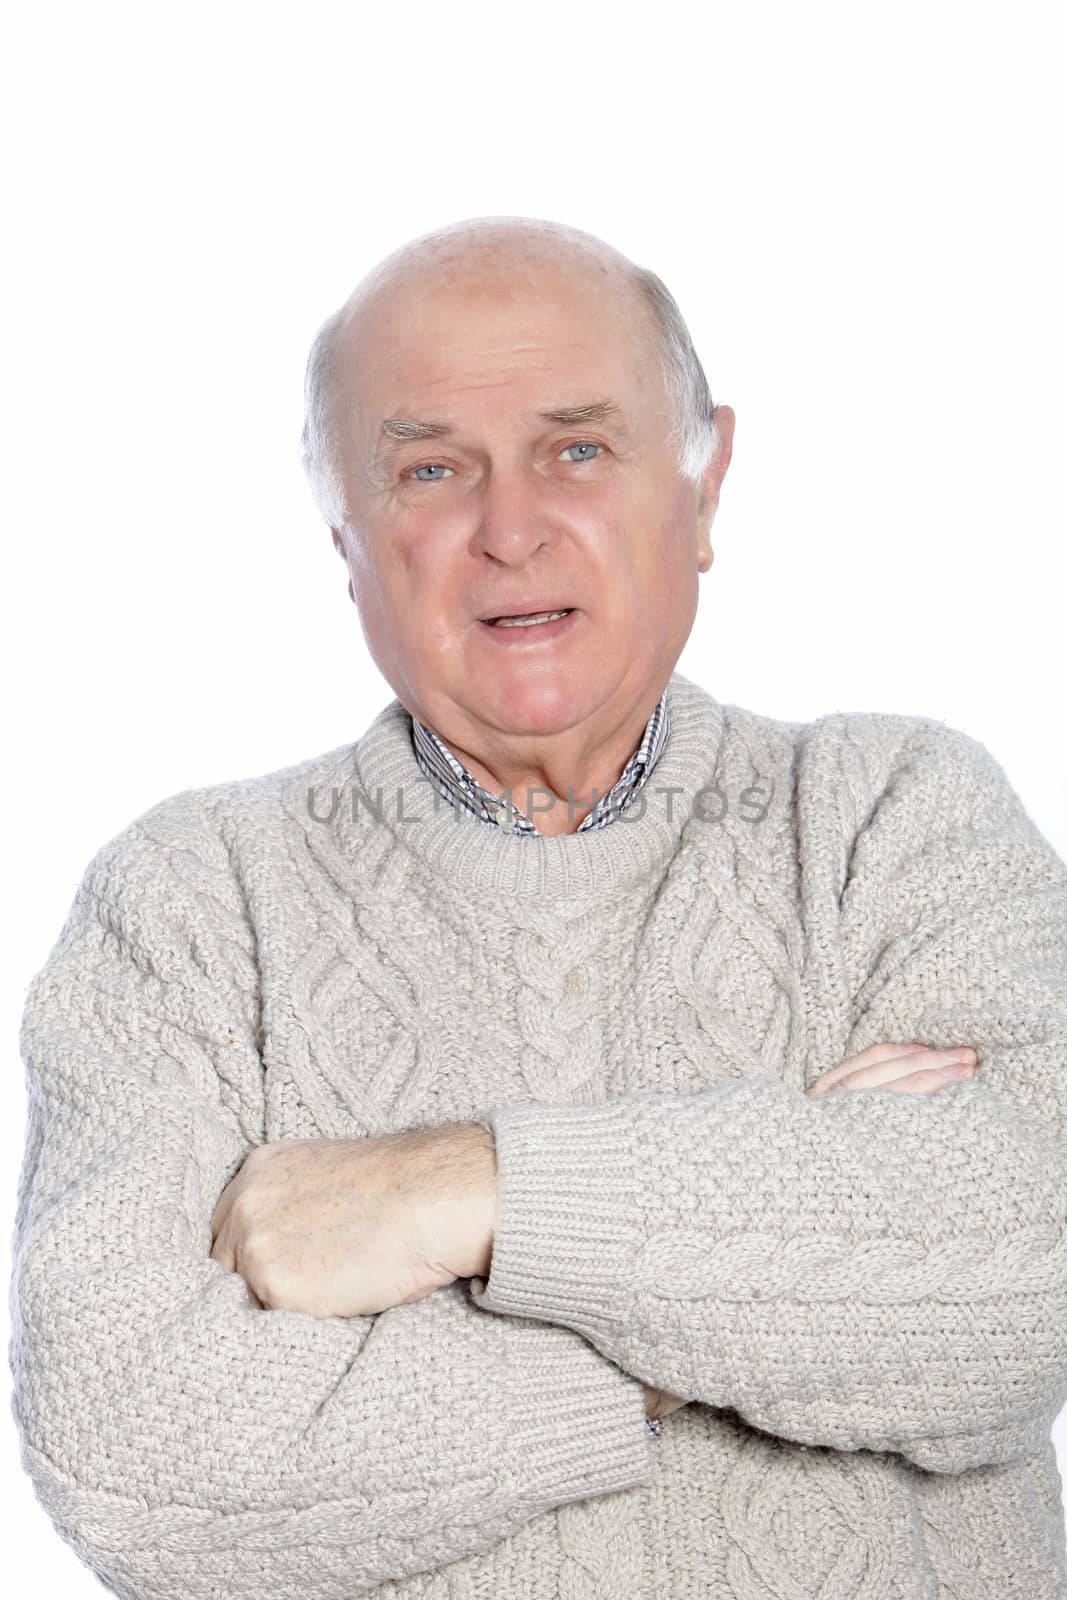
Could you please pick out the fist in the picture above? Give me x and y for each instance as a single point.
(351, 1227)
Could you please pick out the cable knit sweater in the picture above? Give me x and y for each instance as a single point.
(862, 1296)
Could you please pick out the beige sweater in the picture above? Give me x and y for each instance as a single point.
(863, 1296)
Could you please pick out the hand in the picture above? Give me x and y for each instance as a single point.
(658, 1403)
(904, 1068)
(350, 1227)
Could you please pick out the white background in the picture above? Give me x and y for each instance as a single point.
(858, 208)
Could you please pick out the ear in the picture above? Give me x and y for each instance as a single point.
(724, 418)
(339, 546)
(711, 482)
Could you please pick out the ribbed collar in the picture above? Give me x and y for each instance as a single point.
(461, 849)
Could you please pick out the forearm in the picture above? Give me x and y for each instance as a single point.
(887, 1322)
(871, 1270)
(176, 1434)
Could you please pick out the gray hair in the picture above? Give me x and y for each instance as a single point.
(693, 429)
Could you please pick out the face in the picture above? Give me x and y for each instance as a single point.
(510, 512)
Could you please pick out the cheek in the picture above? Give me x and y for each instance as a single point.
(420, 560)
(665, 546)
(393, 573)
(414, 610)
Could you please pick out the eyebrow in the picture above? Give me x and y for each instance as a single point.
(401, 429)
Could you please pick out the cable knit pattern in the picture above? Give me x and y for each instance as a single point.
(862, 1296)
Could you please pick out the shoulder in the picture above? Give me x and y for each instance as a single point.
(854, 772)
(872, 754)
(910, 786)
(864, 752)
(182, 848)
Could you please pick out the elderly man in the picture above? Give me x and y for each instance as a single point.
(413, 1129)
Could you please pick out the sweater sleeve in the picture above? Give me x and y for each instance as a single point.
(184, 1441)
(861, 1269)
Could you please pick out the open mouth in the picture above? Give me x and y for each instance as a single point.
(535, 619)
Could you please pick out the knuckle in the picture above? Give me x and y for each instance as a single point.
(243, 1214)
(256, 1252)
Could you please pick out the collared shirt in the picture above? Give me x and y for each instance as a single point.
(459, 786)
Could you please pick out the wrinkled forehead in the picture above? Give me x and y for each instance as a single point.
(412, 342)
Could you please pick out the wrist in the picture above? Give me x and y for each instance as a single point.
(480, 1187)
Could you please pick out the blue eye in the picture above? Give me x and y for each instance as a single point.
(439, 467)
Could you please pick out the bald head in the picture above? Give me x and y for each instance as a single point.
(488, 260)
(486, 251)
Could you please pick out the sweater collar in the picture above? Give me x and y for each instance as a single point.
(382, 782)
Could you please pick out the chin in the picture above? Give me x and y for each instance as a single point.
(535, 704)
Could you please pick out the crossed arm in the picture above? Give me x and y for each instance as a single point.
(351, 1227)
(866, 1271)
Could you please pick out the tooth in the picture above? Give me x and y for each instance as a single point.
(530, 622)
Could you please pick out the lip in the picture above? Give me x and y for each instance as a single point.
(529, 638)
(524, 608)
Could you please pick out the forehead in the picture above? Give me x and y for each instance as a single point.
(430, 341)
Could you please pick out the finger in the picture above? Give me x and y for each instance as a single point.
(873, 1054)
(926, 1081)
(222, 1252)
(240, 1181)
(891, 1061)
(938, 1071)
(224, 1205)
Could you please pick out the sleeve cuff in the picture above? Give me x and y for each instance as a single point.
(585, 1431)
(567, 1233)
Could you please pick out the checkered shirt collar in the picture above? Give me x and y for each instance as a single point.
(459, 786)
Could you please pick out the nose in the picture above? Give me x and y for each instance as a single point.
(515, 522)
